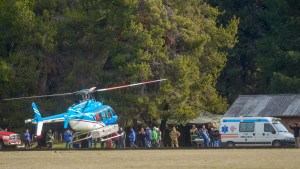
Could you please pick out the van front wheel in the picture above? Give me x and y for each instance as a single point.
(276, 144)
(230, 144)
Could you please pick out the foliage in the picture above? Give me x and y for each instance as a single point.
(63, 46)
(266, 58)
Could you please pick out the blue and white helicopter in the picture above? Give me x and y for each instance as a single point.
(89, 117)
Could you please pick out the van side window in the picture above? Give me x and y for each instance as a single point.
(246, 127)
(268, 127)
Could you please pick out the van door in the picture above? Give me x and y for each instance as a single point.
(247, 135)
(265, 134)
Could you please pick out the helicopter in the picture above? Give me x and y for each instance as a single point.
(89, 117)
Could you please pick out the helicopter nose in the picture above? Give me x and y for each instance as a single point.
(114, 119)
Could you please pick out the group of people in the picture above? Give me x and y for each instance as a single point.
(27, 139)
(205, 137)
(145, 138)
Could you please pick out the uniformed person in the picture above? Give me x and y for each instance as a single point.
(174, 137)
(193, 134)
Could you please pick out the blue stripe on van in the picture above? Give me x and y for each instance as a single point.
(246, 120)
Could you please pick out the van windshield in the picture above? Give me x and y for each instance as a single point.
(279, 127)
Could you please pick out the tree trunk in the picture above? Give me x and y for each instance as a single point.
(163, 126)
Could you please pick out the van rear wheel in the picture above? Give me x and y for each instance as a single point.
(276, 144)
(230, 144)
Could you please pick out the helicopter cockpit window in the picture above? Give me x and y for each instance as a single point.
(98, 117)
(103, 115)
(109, 115)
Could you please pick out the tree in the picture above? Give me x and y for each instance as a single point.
(265, 58)
(57, 47)
(180, 41)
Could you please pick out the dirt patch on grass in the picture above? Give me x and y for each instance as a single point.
(220, 158)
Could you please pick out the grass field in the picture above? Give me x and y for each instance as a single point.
(218, 158)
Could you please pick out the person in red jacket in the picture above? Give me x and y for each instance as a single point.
(116, 140)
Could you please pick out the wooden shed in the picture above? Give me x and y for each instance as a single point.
(284, 106)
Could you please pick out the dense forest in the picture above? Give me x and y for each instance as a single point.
(210, 52)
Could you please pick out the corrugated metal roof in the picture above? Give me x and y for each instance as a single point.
(265, 105)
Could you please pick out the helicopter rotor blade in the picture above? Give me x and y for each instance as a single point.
(130, 85)
(31, 97)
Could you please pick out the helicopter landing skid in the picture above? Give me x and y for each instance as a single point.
(104, 133)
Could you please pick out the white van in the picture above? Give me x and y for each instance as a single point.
(254, 131)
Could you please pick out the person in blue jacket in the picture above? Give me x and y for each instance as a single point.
(205, 137)
(132, 137)
(148, 137)
(27, 139)
(68, 138)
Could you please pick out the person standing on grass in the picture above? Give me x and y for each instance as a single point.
(154, 137)
(159, 137)
(148, 138)
(116, 140)
(27, 139)
(174, 134)
(205, 137)
(140, 138)
(132, 137)
(68, 138)
(122, 138)
(49, 139)
(215, 138)
(296, 130)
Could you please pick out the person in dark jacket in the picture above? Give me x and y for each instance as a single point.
(215, 138)
(132, 138)
(27, 139)
(141, 136)
(68, 138)
(296, 130)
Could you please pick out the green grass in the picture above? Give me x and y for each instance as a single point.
(167, 159)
